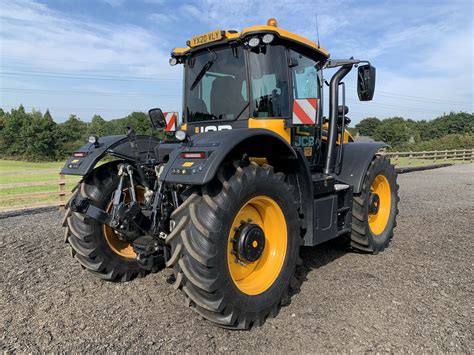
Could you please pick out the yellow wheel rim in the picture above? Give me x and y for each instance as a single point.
(378, 220)
(118, 246)
(253, 278)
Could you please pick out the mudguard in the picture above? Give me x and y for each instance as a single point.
(114, 145)
(355, 162)
(217, 146)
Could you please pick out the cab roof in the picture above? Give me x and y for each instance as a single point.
(228, 36)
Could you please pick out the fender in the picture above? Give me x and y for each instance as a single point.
(217, 147)
(356, 161)
(114, 145)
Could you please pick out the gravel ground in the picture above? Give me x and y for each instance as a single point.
(416, 296)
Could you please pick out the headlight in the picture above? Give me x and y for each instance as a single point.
(268, 38)
(93, 139)
(254, 42)
(173, 61)
(180, 135)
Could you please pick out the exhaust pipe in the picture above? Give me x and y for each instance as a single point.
(333, 113)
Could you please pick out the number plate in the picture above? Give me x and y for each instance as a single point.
(205, 38)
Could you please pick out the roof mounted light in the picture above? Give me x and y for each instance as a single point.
(254, 42)
(268, 38)
(173, 61)
(180, 135)
(272, 22)
(94, 139)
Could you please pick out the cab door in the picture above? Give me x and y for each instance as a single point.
(306, 106)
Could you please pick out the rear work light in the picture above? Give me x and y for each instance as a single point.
(193, 155)
(79, 154)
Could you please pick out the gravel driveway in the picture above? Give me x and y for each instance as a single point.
(415, 296)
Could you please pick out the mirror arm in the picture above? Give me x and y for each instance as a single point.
(334, 63)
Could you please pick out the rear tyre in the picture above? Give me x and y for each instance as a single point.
(95, 246)
(375, 209)
(228, 279)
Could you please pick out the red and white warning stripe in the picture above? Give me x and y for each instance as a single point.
(171, 118)
(304, 111)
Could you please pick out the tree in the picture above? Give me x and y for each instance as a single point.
(16, 123)
(393, 131)
(367, 126)
(71, 135)
(452, 123)
(40, 137)
(99, 126)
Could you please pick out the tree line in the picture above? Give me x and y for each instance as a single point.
(36, 136)
(454, 130)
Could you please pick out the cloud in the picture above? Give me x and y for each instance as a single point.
(163, 17)
(114, 3)
(155, 2)
(192, 11)
(49, 40)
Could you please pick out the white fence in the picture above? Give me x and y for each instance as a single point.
(431, 157)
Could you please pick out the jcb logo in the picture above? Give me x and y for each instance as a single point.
(203, 129)
(304, 141)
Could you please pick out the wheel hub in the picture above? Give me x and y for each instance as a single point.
(374, 203)
(249, 242)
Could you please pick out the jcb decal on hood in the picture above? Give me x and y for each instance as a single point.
(203, 129)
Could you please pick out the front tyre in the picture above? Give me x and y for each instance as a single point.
(235, 246)
(375, 209)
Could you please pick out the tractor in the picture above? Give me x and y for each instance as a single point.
(252, 172)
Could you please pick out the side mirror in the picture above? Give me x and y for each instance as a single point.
(366, 82)
(157, 118)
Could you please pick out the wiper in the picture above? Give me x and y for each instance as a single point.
(203, 71)
(205, 68)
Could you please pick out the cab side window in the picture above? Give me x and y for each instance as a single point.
(269, 82)
(305, 77)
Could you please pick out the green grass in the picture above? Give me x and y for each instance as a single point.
(10, 191)
(7, 166)
(28, 177)
(12, 172)
(28, 201)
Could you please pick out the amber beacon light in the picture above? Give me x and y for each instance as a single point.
(272, 22)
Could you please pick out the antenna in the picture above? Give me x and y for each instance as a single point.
(317, 28)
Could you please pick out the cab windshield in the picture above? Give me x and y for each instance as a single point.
(216, 85)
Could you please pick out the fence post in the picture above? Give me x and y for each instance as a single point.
(62, 182)
(472, 155)
(445, 155)
(410, 157)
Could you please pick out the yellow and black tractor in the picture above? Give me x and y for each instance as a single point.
(253, 172)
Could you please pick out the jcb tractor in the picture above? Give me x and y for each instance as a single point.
(253, 172)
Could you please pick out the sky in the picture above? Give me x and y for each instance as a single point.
(110, 57)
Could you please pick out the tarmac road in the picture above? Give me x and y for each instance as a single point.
(416, 296)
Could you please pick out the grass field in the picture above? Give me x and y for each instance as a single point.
(24, 184)
(7, 166)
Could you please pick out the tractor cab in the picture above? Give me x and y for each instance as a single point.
(251, 79)
(262, 77)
